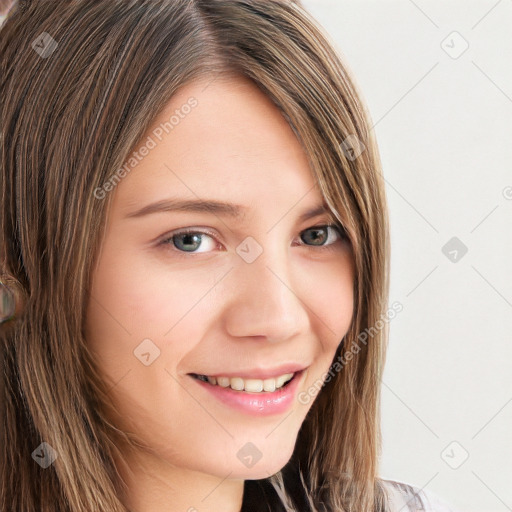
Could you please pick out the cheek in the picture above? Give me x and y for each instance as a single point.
(134, 299)
(330, 290)
(131, 302)
(134, 295)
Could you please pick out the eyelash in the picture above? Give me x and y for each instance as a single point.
(168, 241)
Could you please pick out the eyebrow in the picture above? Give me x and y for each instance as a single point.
(210, 206)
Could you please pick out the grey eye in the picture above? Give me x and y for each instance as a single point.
(318, 235)
(190, 241)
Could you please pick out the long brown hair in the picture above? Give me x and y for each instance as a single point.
(71, 109)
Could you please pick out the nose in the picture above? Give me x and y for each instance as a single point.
(267, 300)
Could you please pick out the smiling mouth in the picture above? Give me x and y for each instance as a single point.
(249, 385)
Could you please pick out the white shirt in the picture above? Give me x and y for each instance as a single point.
(409, 498)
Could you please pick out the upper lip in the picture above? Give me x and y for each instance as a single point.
(260, 373)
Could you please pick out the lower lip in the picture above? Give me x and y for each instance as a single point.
(258, 404)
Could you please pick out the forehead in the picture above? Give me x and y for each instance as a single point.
(220, 139)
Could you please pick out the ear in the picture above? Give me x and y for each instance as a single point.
(7, 303)
(12, 299)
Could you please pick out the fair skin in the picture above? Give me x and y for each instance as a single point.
(205, 307)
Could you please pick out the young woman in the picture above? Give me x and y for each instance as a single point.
(194, 247)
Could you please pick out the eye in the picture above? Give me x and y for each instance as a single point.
(190, 240)
(187, 240)
(320, 239)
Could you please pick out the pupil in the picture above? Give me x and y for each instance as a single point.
(316, 237)
(187, 237)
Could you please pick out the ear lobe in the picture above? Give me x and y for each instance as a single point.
(11, 299)
(7, 303)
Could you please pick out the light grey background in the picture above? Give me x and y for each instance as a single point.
(443, 125)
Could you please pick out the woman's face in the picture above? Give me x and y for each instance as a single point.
(262, 292)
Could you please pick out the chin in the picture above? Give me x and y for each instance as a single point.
(261, 469)
(257, 473)
(265, 469)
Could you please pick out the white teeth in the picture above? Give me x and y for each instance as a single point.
(269, 384)
(282, 379)
(251, 385)
(222, 381)
(237, 383)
